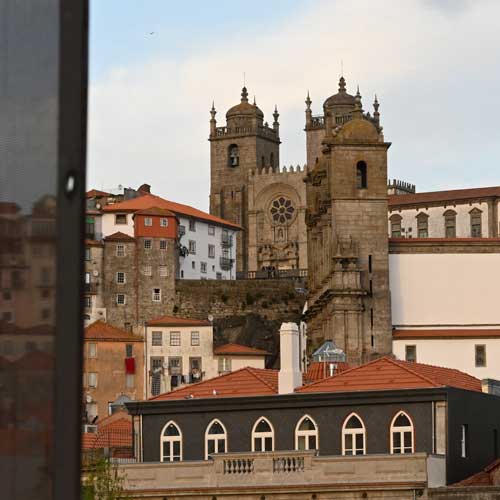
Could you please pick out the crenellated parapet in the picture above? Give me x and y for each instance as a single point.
(395, 186)
(297, 169)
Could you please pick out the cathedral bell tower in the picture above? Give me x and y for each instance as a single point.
(246, 143)
(346, 219)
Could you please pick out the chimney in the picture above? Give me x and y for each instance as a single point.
(144, 188)
(290, 376)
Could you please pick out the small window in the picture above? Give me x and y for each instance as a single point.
(195, 338)
(147, 244)
(163, 244)
(147, 270)
(218, 276)
(262, 435)
(163, 271)
(88, 302)
(353, 436)
(175, 338)
(464, 441)
(411, 353)
(401, 434)
(450, 224)
(120, 219)
(92, 350)
(129, 350)
(157, 338)
(175, 365)
(215, 439)
(211, 230)
(422, 225)
(120, 299)
(203, 267)
(156, 294)
(480, 355)
(192, 225)
(233, 156)
(192, 247)
(211, 251)
(87, 254)
(193, 265)
(120, 277)
(92, 379)
(171, 443)
(306, 434)
(224, 364)
(475, 223)
(163, 222)
(181, 230)
(361, 175)
(129, 381)
(120, 250)
(148, 221)
(395, 221)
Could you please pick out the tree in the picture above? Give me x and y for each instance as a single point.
(103, 481)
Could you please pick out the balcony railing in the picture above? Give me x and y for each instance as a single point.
(226, 240)
(288, 469)
(287, 274)
(226, 263)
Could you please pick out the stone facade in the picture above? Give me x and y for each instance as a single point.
(347, 234)
(247, 187)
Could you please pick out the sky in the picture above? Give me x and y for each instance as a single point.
(156, 66)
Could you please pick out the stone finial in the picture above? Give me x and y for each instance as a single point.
(254, 101)
(342, 88)
(212, 111)
(308, 101)
(376, 105)
(276, 115)
(358, 107)
(244, 94)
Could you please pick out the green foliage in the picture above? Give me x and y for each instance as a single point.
(103, 481)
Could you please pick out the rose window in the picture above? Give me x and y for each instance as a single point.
(282, 210)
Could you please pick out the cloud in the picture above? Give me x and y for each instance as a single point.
(436, 77)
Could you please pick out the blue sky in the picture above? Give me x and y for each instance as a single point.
(433, 63)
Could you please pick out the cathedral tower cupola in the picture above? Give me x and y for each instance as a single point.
(244, 113)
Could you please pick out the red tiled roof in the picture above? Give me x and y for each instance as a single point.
(156, 211)
(240, 383)
(99, 330)
(117, 434)
(442, 196)
(446, 333)
(391, 374)
(319, 370)
(92, 193)
(239, 350)
(93, 243)
(151, 200)
(9, 207)
(174, 321)
(119, 236)
(481, 478)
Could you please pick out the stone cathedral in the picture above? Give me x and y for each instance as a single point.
(329, 217)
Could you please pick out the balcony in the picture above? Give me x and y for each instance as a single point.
(226, 263)
(276, 274)
(90, 288)
(226, 240)
(288, 470)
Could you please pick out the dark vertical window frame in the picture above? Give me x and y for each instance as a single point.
(73, 73)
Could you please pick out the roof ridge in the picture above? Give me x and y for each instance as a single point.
(455, 370)
(252, 370)
(419, 375)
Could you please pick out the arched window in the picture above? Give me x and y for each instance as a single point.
(234, 156)
(361, 175)
(401, 433)
(171, 443)
(422, 225)
(450, 224)
(215, 438)
(475, 223)
(353, 436)
(262, 435)
(306, 434)
(395, 220)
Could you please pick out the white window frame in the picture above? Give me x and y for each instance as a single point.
(178, 335)
(192, 247)
(120, 250)
(196, 338)
(148, 221)
(353, 432)
(215, 437)
(121, 223)
(89, 384)
(401, 431)
(148, 244)
(163, 270)
(147, 270)
(170, 439)
(163, 245)
(87, 301)
(192, 225)
(156, 297)
(463, 441)
(124, 299)
(306, 434)
(156, 342)
(262, 436)
(211, 251)
(118, 282)
(211, 230)
(92, 352)
(163, 222)
(203, 267)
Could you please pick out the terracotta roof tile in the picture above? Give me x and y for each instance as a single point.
(442, 196)
(390, 374)
(240, 383)
(446, 333)
(155, 211)
(93, 243)
(117, 434)
(319, 370)
(151, 200)
(481, 478)
(92, 193)
(175, 321)
(119, 236)
(99, 330)
(239, 350)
